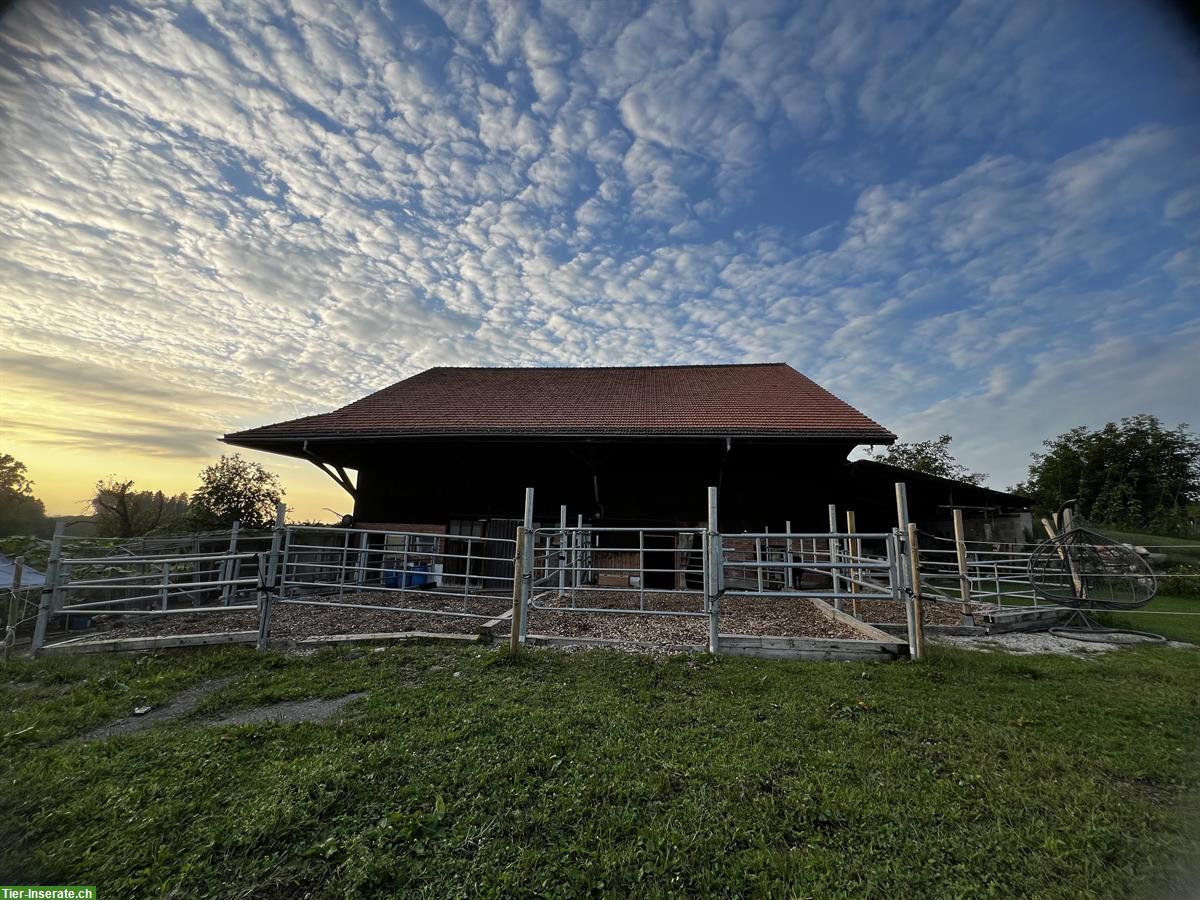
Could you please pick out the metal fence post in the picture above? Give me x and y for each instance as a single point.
(712, 575)
(164, 585)
(518, 613)
(50, 591)
(562, 550)
(360, 571)
(835, 549)
(268, 588)
(853, 552)
(14, 606)
(789, 581)
(576, 555)
(525, 574)
(918, 632)
(902, 524)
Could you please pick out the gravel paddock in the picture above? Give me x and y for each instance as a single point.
(739, 615)
(295, 621)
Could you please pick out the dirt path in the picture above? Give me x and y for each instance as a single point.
(179, 705)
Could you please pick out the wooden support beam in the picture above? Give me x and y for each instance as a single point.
(836, 615)
(964, 577)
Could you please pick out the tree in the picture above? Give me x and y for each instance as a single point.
(1134, 474)
(931, 458)
(235, 489)
(20, 511)
(121, 511)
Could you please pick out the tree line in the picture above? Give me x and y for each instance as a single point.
(1132, 475)
(231, 489)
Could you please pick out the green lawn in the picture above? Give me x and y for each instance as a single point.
(1177, 618)
(602, 773)
(1177, 550)
(1174, 617)
(1171, 615)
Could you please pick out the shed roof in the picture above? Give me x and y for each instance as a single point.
(763, 399)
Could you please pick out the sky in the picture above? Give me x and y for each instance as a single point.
(973, 218)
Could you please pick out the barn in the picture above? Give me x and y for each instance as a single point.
(452, 449)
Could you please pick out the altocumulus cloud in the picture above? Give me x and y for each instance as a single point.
(971, 217)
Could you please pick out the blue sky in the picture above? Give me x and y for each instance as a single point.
(977, 218)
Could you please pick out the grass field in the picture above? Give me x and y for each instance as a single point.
(1177, 550)
(466, 772)
(1176, 618)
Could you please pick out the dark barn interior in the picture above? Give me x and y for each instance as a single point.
(644, 482)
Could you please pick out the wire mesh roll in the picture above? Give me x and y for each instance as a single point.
(1083, 569)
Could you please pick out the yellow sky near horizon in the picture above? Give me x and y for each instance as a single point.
(73, 423)
(64, 478)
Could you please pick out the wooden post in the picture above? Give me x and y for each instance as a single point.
(914, 565)
(713, 565)
(518, 614)
(964, 577)
(835, 547)
(268, 590)
(50, 590)
(853, 547)
(231, 565)
(1062, 552)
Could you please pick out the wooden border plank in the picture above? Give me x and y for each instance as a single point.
(118, 645)
(873, 633)
(554, 640)
(387, 637)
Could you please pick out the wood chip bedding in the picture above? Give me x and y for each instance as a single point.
(890, 613)
(739, 615)
(294, 621)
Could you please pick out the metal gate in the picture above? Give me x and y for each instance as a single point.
(703, 564)
(215, 584)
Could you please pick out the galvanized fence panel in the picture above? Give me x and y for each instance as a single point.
(997, 573)
(427, 573)
(756, 564)
(573, 564)
(151, 585)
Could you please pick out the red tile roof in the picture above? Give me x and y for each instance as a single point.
(761, 399)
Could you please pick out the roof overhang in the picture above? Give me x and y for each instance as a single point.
(295, 444)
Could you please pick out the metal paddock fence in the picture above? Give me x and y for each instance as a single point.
(417, 572)
(564, 568)
(703, 564)
(958, 571)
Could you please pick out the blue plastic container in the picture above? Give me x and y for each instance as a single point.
(416, 576)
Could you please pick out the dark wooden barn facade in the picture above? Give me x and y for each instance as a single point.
(452, 449)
